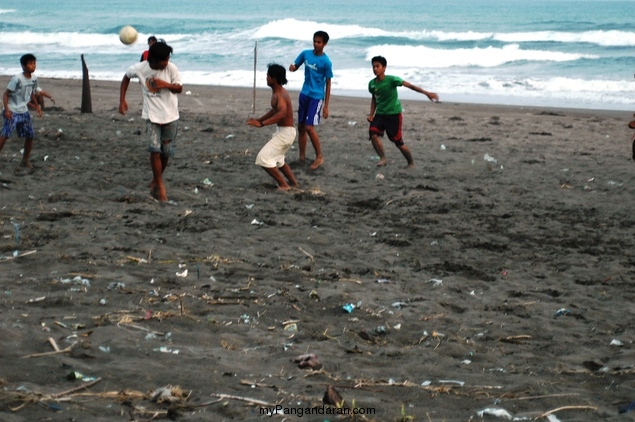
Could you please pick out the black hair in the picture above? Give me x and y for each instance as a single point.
(323, 35)
(159, 51)
(379, 59)
(277, 72)
(152, 38)
(24, 60)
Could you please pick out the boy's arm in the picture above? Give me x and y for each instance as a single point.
(273, 116)
(174, 88)
(5, 102)
(431, 95)
(35, 105)
(296, 63)
(373, 107)
(123, 105)
(327, 97)
(47, 95)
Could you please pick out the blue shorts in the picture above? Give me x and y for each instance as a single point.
(162, 137)
(389, 123)
(20, 121)
(309, 110)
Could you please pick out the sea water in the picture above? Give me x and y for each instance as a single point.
(560, 53)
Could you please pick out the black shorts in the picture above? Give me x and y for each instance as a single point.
(389, 123)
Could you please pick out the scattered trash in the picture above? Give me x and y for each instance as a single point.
(164, 349)
(379, 176)
(443, 147)
(78, 376)
(351, 123)
(291, 327)
(307, 361)
(116, 286)
(188, 92)
(435, 282)
(501, 413)
(195, 191)
(229, 136)
(105, 349)
(348, 307)
(489, 158)
(562, 312)
(626, 409)
(383, 281)
(169, 394)
(249, 206)
(399, 305)
(332, 397)
(460, 383)
(207, 182)
(182, 274)
(616, 343)
(102, 302)
(255, 222)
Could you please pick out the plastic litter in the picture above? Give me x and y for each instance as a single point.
(616, 343)
(562, 312)
(490, 159)
(501, 413)
(348, 307)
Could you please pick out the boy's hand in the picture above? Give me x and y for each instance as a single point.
(293, 67)
(254, 123)
(370, 118)
(8, 114)
(432, 96)
(38, 110)
(123, 107)
(153, 84)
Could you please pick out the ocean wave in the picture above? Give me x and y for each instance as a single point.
(421, 56)
(303, 30)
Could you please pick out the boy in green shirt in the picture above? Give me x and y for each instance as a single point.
(385, 110)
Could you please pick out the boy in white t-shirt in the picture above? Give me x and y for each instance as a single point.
(16, 98)
(160, 82)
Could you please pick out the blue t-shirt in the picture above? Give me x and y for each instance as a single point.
(317, 69)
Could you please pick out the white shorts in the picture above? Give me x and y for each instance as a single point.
(272, 154)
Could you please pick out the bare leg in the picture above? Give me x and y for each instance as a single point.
(277, 176)
(406, 153)
(158, 163)
(315, 141)
(2, 141)
(379, 149)
(286, 170)
(302, 136)
(28, 145)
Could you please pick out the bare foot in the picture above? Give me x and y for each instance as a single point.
(316, 163)
(381, 162)
(26, 164)
(410, 165)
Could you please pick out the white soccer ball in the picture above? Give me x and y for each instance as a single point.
(128, 35)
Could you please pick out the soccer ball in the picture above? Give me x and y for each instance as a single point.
(128, 35)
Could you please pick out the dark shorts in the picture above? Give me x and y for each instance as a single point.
(20, 121)
(309, 110)
(389, 123)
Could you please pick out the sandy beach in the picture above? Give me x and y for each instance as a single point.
(492, 279)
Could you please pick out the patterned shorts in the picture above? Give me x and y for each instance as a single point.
(20, 121)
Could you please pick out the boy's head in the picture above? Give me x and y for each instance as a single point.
(277, 73)
(26, 59)
(151, 40)
(320, 39)
(379, 65)
(322, 34)
(159, 55)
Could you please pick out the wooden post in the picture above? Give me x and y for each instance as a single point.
(86, 102)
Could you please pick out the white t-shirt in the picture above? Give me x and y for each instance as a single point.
(158, 107)
(21, 88)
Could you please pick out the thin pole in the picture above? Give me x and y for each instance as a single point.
(255, 62)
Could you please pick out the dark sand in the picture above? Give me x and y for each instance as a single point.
(479, 257)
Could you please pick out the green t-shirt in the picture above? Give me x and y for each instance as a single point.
(385, 93)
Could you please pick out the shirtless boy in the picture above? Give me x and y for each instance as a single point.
(271, 156)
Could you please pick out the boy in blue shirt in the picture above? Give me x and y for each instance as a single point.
(19, 95)
(385, 110)
(315, 94)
